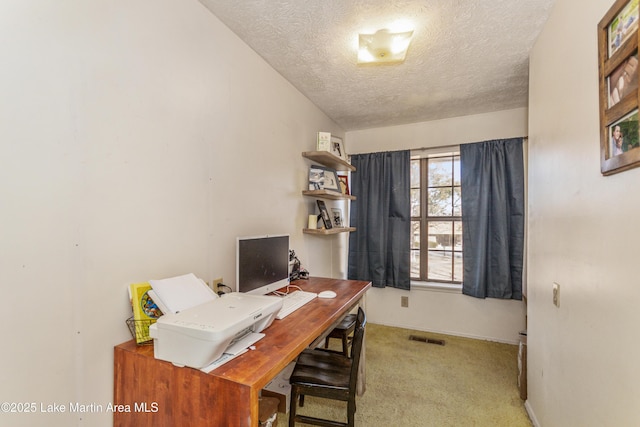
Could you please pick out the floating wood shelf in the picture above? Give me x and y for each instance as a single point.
(328, 194)
(329, 160)
(324, 231)
(325, 158)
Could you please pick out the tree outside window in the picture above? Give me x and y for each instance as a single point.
(436, 219)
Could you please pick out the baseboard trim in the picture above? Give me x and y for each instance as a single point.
(452, 333)
(532, 415)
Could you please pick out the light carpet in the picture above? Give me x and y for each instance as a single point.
(466, 382)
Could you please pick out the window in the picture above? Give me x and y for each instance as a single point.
(436, 219)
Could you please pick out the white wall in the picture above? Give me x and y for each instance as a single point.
(434, 310)
(583, 232)
(137, 141)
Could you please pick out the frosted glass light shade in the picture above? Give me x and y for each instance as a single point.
(383, 47)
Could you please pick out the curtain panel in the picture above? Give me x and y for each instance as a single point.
(492, 183)
(379, 249)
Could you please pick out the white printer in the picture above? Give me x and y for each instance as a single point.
(199, 335)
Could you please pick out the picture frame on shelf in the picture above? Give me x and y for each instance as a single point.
(337, 147)
(316, 177)
(344, 184)
(336, 217)
(324, 214)
(323, 178)
(331, 181)
(618, 40)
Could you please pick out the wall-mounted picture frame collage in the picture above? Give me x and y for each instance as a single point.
(618, 37)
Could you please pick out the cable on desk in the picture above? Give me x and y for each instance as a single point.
(281, 294)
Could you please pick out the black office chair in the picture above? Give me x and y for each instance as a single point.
(343, 331)
(328, 375)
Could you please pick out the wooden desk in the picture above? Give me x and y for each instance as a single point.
(155, 393)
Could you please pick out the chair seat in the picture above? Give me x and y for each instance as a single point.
(321, 368)
(342, 331)
(347, 324)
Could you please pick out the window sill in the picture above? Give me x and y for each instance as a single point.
(434, 286)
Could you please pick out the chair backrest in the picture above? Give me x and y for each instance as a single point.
(356, 349)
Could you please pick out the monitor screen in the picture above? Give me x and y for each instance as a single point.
(262, 264)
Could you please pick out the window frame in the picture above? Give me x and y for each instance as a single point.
(424, 156)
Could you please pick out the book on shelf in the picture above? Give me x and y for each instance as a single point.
(145, 310)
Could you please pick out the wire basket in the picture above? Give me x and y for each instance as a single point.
(140, 330)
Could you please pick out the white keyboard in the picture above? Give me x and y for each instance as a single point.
(293, 301)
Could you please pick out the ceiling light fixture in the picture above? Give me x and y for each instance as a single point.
(383, 47)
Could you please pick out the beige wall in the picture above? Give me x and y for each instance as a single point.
(583, 234)
(436, 310)
(137, 141)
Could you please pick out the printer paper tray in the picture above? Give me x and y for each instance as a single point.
(243, 343)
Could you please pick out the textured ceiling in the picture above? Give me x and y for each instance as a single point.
(466, 57)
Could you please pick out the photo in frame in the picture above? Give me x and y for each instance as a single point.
(618, 40)
(344, 184)
(316, 178)
(331, 180)
(324, 214)
(623, 80)
(336, 217)
(323, 178)
(337, 147)
(622, 26)
(624, 135)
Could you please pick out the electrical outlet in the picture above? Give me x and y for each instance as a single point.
(556, 294)
(216, 282)
(404, 301)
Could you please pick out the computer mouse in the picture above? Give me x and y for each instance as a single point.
(327, 294)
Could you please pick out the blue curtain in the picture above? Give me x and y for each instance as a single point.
(492, 183)
(379, 249)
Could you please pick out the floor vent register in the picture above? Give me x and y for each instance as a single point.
(426, 340)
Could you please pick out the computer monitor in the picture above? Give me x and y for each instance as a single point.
(262, 264)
